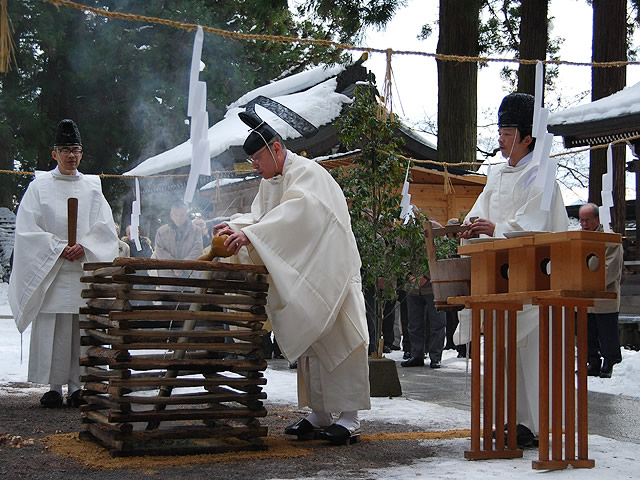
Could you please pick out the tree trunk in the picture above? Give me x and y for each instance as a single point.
(609, 44)
(533, 41)
(457, 81)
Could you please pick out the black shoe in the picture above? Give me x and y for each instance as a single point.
(75, 399)
(339, 435)
(413, 362)
(524, 437)
(406, 356)
(435, 364)
(606, 370)
(293, 365)
(303, 429)
(386, 349)
(593, 368)
(51, 399)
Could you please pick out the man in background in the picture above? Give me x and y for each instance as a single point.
(178, 240)
(603, 338)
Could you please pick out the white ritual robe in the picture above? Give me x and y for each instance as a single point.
(511, 200)
(43, 285)
(300, 229)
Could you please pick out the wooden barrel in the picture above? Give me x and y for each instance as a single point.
(451, 277)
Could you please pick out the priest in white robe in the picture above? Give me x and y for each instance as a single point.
(299, 227)
(511, 202)
(44, 288)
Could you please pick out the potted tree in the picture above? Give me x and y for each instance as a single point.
(389, 248)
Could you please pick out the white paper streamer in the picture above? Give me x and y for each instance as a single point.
(406, 208)
(135, 217)
(606, 193)
(538, 127)
(197, 110)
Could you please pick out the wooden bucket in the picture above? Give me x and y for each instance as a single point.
(450, 277)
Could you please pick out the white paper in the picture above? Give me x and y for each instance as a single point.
(607, 193)
(135, 216)
(549, 172)
(195, 70)
(538, 128)
(197, 110)
(405, 203)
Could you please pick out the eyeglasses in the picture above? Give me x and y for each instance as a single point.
(67, 151)
(254, 158)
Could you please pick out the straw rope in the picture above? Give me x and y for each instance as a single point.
(7, 47)
(327, 43)
(220, 173)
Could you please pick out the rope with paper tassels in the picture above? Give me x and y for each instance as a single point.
(315, 41)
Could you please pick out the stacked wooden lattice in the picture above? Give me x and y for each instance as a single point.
(174, 365)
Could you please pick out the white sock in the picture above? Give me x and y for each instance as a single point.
(320, 419)
(73, 386)
(54, 387)
(349, 420)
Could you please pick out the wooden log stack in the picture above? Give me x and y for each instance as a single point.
(173, 365)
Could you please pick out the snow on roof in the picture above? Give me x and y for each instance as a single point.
(619, 104)
(319, 103)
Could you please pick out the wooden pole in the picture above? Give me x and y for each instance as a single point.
(72, 220)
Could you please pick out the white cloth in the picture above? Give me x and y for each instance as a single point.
(300, 229)
(41, 281)
(511, 200)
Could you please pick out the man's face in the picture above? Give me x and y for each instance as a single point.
(68, 158)
(510, 143)
(178, 216)
(263, 161)
(588, 221)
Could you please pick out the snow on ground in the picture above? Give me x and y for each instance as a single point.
(614, 459)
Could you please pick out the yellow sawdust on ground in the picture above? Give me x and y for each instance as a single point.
(94, 456)
(446, 435)
(98, 458)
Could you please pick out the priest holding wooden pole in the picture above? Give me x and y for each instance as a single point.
(63, 221)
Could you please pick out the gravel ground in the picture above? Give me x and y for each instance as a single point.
(35, 444)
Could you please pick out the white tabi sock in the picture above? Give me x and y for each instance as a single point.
(349, 420)
(320, 419)
(73, 386)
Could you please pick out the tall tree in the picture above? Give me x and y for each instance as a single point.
(533, 41)
(609, 43)
(457, 81)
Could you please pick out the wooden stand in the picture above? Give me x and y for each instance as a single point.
(565, 324)
(555, 271)
(499, 364)
(174, 365)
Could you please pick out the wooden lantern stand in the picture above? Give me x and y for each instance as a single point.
(149, 335)
(562, 273)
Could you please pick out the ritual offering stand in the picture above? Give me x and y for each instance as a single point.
(174, 365)
(562, 273)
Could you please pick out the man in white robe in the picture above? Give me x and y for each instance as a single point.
(299, 227)
(510, 202)
(44, 288)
